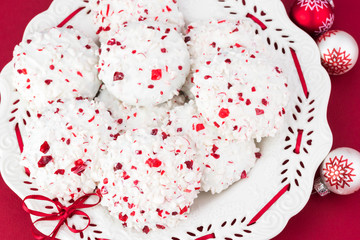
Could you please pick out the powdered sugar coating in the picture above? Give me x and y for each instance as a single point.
(150, 180)
(132, 117)
(241, 94)
(144, 64)
(64, 156)
(55, 64)
(110, 15)
(225, 161)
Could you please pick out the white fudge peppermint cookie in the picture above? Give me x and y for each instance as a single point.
(241, 94)
(132, 117)
(144, 64)
(206, 39)
(110, 15)
(64, 145)
(56, 64)
(150, 180)
(225, 161)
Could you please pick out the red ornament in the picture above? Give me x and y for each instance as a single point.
(313, 16)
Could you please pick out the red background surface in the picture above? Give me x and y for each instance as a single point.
(333, 217)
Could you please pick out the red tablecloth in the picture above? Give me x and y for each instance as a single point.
(333, 217)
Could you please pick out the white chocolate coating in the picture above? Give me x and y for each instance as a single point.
(56, 64)
(144, 64)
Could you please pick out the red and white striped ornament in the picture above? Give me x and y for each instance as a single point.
(313, 16)
(339, 51)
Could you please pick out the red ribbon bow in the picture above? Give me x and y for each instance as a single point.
(62, 215)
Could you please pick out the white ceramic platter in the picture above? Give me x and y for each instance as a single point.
(289, 161)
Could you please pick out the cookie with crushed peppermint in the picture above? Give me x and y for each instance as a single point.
(150, 179)
(57, 64)
(205, 39)
(63, 157)
(241, 94)
(110, 15)
(144, 64)
(225, 161)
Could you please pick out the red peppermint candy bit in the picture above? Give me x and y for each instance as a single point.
(258, 155)
(264, 102)
(153, 162)
(52, 67)
(228, 61)
(146, 229)
(118, 76)
(28, 41)
(111, 42)
(189, 164)
(154, 132)
(44, 148)
(48, 81)
(259, 111)
(119, 121)
(164, 135)
(207, 77)
(27, 171)
(214, 148)
(248, 102)
(224, 113)
(156, 74)
(243, 175)
(200, 127)
(160, 226)
(60, 172)
(122, 217)
(117, 167)
(44, 160)
(79, 168)
(163, 50)
(187, 39)
(184, 210)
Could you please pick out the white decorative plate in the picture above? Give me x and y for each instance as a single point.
(281, 180)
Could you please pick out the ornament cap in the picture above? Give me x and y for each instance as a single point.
(332, 4)
(320, 187)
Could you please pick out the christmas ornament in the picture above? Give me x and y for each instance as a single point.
(313, 16)
(339, 51)
(339, 173)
